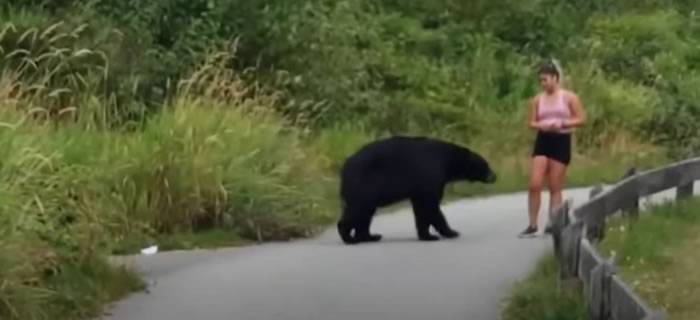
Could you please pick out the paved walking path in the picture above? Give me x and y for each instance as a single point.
(398, 278)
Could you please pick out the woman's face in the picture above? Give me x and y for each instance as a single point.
(548, 82)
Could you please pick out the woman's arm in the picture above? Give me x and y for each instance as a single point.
(578, 115)
(532, 115)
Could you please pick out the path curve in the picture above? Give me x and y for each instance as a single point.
(398, 278)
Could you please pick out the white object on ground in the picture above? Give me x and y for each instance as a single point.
(150, 250)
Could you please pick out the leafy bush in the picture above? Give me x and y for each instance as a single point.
(431, 66)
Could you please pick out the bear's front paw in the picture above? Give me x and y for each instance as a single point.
(428, 237)
(369, 238)
(374, 237)
(450, 234)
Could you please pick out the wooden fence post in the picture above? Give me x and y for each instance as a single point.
(631, 210)
(569, 250)
(597, 231)
(599, 297)
(559, 219)
(684, 191)
(595, 191)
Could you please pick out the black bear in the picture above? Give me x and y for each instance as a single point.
(390, 170)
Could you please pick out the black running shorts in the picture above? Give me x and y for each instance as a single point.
(553, 145)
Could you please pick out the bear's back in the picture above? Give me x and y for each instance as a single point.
(397, 154)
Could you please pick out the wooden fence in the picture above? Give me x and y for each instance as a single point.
(575, 231)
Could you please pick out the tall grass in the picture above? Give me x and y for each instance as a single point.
(74, 191)
(538, 297)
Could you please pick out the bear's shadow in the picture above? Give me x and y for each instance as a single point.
(394, 240)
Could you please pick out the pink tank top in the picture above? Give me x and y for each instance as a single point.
(557, 110)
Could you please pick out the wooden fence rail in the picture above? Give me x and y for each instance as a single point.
(575, 231)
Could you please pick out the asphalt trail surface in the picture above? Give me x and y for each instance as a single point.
(398, 278)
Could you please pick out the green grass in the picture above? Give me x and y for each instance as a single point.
(588, 167)
(67, 291)
(80, 292)
(537, 297)
(657, 255)
(204, 239)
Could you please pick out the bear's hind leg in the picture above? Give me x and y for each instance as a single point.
(345, 231)
(362, 233)
(357, 219)
(347, 224)
(438, 220)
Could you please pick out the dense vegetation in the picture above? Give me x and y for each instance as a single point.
(124, 121)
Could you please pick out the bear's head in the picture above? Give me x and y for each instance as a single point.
(466, 164)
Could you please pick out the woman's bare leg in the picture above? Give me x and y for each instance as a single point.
(538, 170)
(557, 176)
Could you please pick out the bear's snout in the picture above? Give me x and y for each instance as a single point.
(491, 178)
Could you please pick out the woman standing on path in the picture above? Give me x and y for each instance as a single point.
(553, 113)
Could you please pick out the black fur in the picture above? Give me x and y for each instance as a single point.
(390, 170)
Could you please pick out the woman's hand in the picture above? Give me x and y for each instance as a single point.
(541, 125)
(549, 125)
(558, 124)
